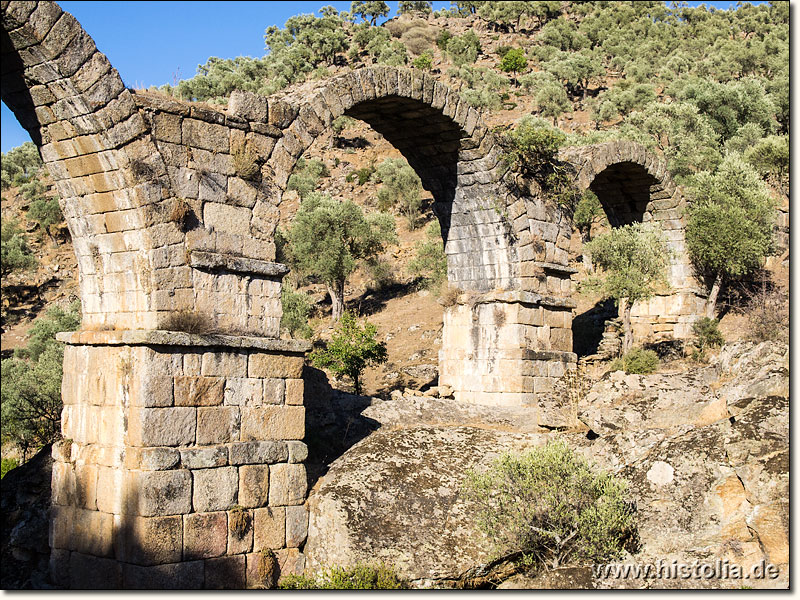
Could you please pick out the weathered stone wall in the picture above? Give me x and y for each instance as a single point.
(172, 207)
(633, 185)
(182, 461)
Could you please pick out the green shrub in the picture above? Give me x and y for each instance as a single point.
(552, 505)
(707, 333)
(306, 175)
(430, 263)
(31, 384)
(6, 465)
(46, 212)
(638, 361)
(381, 273)
(352, 348)
(444, 37)
(424, 61)
(358, 577)
(296, 309)
(14, 252)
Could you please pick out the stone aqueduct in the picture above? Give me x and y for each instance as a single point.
(182, 456)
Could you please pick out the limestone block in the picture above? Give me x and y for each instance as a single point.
(93, 573)
(260, 452)
(240, 531)
(214, 489)
(152, 493)
(198, 391)
(269, 528)
(204, 458)
(173, 426)
(225, 218)
(93, 532)
(86, 485)
(253, 485)
(59, 567)
(241, 193)
(561, 339)
(287, 484)
(110, 484)
(274, 390)
(294, 392)
(205, 535)
(185, 575)
(217, 425)
(296, 526)
(167, 127)
(149, 540)
(61, 527)
(225, 364)
(62, 484)
(208, 136)
(225, 573)
(244, 391)
(274, 365)
(273, 423)
(298, 451)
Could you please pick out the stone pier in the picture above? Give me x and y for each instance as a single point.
(182, 461)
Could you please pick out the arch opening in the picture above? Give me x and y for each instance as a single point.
(624, 190)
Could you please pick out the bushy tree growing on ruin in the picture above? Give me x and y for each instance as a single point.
(329, 238)
(634, 260)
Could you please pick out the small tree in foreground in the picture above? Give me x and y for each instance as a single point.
(549, 503)
(729, 230)
(351, 350)
(634, 260)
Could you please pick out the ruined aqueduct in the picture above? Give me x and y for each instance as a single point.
(182, 455)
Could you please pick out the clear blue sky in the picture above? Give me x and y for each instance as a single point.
(153, 43)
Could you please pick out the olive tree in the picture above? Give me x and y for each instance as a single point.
(634, 260)
(729, 227)
(329, 238)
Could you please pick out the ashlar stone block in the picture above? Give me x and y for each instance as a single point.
(214, 489)
(205, 535)
(287, 484)
(269, 528)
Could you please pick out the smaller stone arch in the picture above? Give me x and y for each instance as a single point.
(634, 185)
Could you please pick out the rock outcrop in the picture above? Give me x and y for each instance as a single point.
(25, 506)
(705, 451)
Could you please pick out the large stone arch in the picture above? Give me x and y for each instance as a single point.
(180, 400)
(634, 185)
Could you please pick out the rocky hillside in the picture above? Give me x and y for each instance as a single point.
(705, 452)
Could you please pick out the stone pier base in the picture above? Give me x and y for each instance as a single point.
(668, 316)
(182, 461)
(504, 348)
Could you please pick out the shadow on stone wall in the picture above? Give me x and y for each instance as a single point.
(333, 422)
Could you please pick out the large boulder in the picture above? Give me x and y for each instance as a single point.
(710, 484)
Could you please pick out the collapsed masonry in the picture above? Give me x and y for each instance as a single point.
(182, 462)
